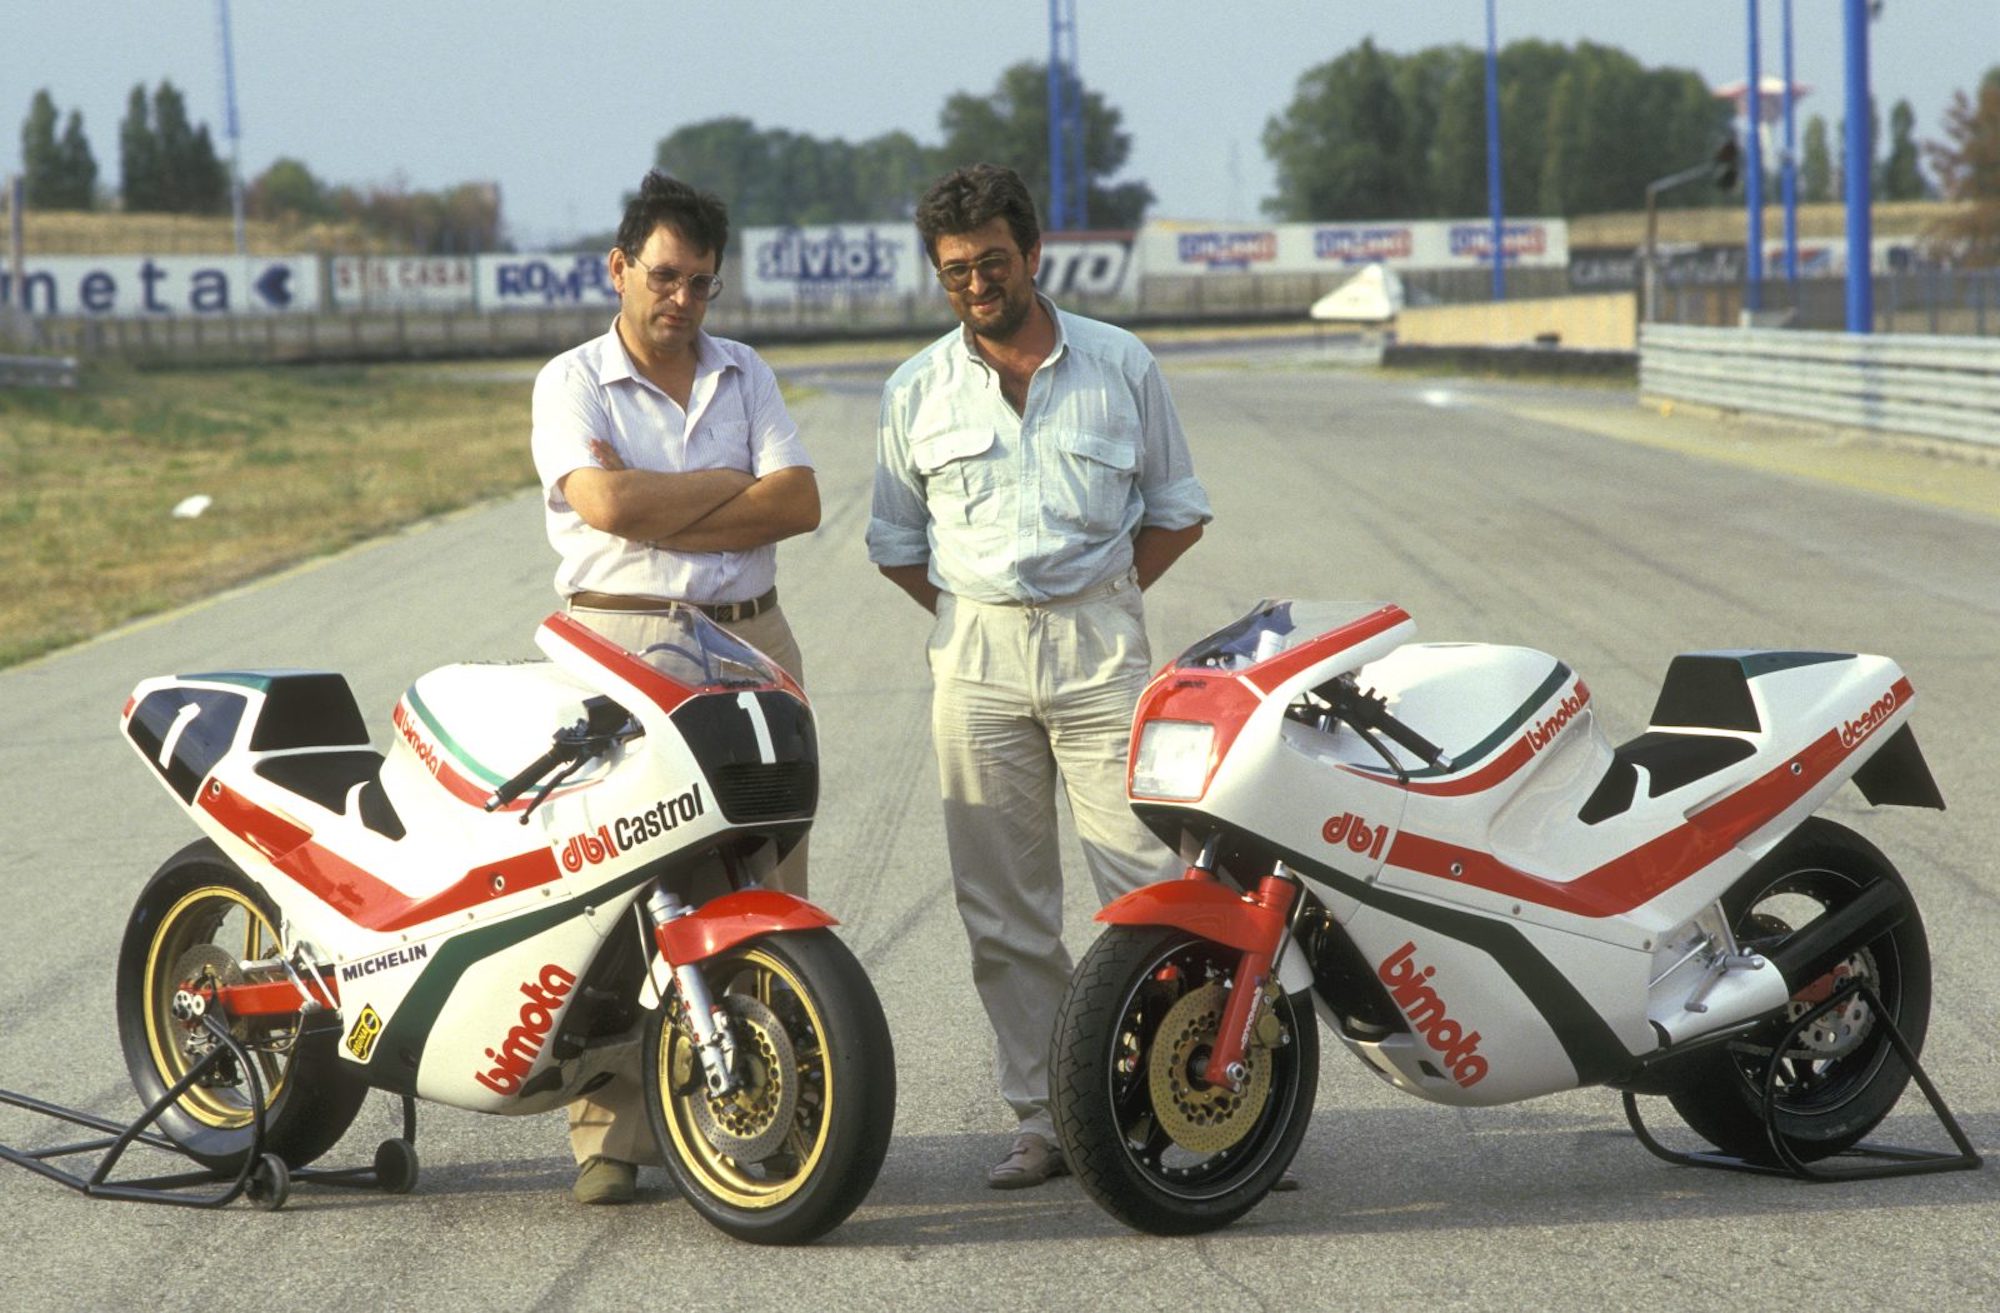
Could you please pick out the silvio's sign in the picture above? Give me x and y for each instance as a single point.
(832, 260)
(140, 286)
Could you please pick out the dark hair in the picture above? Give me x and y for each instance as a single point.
(698, 218)
(972, 197)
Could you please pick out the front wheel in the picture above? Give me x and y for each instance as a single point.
(199, 923)
(788, 1154)
(1153, 1142)
(1841, 1076)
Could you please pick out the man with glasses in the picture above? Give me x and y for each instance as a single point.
(670, 470)
(1031, 478)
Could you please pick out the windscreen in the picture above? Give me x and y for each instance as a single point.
(1271, 627)
(699, 653)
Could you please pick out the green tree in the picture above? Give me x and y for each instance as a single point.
(287, 189)
(727, 156)
(889, 173)
(41, 157)
(1458, 153)
(78, 167)
(1341, 147)
(139, 155)
(1816, 165)
(1902, 175)
(1010, 126)
(1967, 164)
(191, 180)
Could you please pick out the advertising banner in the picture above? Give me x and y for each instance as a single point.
(1094, 265)
(537, 282)
(832, 261)
(401, 282)
(140, 286)
(1296, 248)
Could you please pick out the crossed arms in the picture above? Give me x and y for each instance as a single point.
(695, 511)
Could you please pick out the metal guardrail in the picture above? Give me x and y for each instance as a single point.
(1942, 387)
(38, 371)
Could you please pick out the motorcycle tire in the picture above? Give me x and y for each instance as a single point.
(787, 1156)
(1197, 1164)
(1843, 1075)
(199, 902)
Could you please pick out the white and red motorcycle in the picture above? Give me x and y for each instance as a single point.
(1435, 848)
(426, 925)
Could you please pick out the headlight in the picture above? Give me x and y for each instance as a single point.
(1173, 759)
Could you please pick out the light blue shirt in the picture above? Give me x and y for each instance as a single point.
(735, 419)
(1040, 505)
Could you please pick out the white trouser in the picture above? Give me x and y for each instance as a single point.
(1027, 697)
(612, 1119)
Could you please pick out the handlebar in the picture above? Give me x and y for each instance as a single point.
(536, 769)
(1370, 711)
(604, 723)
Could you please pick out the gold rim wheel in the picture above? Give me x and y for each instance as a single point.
(785, 1100)
(204, 925)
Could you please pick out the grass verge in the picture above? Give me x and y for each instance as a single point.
(298, 463)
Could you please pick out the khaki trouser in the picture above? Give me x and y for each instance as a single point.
(1027, 698)
(612, 1119)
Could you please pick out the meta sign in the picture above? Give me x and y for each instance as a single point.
(140, 286)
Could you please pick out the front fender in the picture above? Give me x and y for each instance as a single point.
(1217, 914)
(725, 922)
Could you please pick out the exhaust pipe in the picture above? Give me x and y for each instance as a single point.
(1817, 949)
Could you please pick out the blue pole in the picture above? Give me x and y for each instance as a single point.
(1753, 101)
(1860, 240)
(1493, 157)
(230, 124)
(1791, 170)
(1058, 176)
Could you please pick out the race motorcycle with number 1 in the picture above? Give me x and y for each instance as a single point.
(438, 924)
(1435, 848)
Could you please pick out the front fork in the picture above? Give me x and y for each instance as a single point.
(1273, 898)
(715, 1040)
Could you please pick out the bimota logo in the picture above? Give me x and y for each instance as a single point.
(406, 724)
(1870, 720)
(628, 832)
(524, 1042)
(1539, 736)
(1358, 834)
(1426, 1012)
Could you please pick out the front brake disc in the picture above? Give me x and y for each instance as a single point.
(751, 1122)
(1197, 1116)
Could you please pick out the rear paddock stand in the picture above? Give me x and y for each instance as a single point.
(1865, 1161)
(264, 1177)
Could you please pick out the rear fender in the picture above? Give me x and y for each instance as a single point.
(1215, 913)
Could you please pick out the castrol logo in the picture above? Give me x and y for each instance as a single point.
(1853, 731)
(1409, 985)
(1356, 833)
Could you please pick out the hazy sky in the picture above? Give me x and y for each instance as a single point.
(563, 106)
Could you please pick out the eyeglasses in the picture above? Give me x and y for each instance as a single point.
(957, 276)
(666, 281)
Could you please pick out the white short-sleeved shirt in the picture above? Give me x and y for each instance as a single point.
(1044, 504)
(735, 419)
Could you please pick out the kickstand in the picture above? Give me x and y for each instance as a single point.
(1864, 1161)
(264, 1177)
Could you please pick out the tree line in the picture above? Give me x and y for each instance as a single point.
(169, 165)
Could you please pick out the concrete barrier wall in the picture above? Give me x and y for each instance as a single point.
(1607, 322)
(1945, 387)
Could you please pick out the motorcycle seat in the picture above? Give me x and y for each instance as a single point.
(343, 780)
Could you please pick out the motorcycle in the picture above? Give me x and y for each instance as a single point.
(1436, 849)
(422, 923)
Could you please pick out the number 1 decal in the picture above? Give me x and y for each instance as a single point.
(755, 710)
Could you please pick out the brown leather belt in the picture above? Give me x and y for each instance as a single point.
(727, 613)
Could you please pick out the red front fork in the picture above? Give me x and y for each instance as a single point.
(1273, 900)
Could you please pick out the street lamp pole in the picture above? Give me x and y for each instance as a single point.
(1860, 237)
(1791, 177)
(230, 123)
(1753, 189)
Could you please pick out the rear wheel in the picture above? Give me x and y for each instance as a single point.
(197, 922)
(1840, 1077)
(786, 1156)
(1151, 1140)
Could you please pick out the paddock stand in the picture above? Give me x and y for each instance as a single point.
(264, 1177)
(1862, 1162)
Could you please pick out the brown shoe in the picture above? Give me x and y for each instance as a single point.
(605, 1181)
(1031, 1161)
